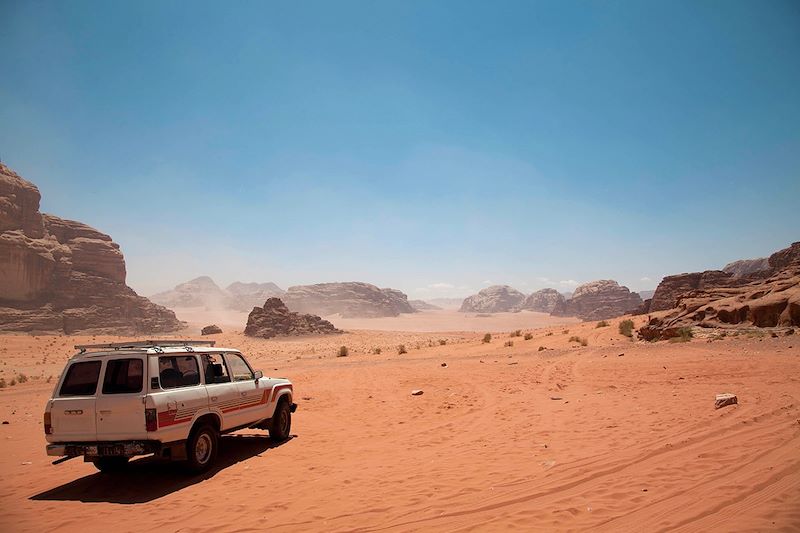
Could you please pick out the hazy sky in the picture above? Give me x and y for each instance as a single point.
(434, 147)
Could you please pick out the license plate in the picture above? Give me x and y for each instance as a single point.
(111, 450)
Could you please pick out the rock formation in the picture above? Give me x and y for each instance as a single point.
(672, 288)
(494, 299)
(599, 300)
(743, 267)
(213, 329)
(350, 300)
(59, 275)
(244, 296)
(543, 301)
(275, 319)
(762, 302)
(422, 305)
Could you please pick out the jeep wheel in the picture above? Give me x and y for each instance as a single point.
(201, 448)
(281, 423)
(109, 465)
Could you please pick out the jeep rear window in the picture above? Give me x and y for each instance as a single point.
(178, 371)
(81, 379)
(123, 376)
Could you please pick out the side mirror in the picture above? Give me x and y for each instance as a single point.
(259, 375)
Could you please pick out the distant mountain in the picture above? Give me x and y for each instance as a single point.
(422, 305)
(646, 295)
(246, 296)
(352, 299)
(494, 299)
(744, 267)
(204, 292)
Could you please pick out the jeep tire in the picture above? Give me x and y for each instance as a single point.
(281, 423)
(202, 448)
(110, 465)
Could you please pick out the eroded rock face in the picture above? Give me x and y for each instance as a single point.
(784, 258)
(59, 275)
(599, 300)
(494, 299)
(349, 299)
(769, 302)
(672, 288)
(543, 301)
(274, 319)
(744, 267)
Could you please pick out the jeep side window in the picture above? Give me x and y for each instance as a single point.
(178, 371)
(214, 368)
(123, 376)
(81, 379)
(239, 369)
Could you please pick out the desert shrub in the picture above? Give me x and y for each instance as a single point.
(343, 352)
(487, 338)
(22, 378)
(509, 344)
(565, 332)
(516, 333)
(626, 328)
(528, 336)
(376, 350)
(684, 334)
(442, 342)
(549, 334)
(3, 383)
(601, 324)
(542, 348)
(13, 382)
(580, 340)
(401, 349)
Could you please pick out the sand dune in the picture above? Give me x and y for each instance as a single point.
(567, 438)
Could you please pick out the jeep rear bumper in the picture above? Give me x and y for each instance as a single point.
(104, 449)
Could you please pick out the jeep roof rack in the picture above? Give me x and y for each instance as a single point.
(144, 344)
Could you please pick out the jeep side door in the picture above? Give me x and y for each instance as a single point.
(223, 395)
(253, 396)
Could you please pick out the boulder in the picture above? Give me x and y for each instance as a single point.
(543, 301)
(349, 299)
(274, 319)
(213, 329)
(59, 275)
(599, 300)
(722, 400)
(494, 299)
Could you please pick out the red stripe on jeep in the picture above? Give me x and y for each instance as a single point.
(260, 401)
(279, 388)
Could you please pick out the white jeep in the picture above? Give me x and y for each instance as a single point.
(164, 397)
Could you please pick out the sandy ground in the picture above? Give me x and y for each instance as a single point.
(612, 436)
(422, 321)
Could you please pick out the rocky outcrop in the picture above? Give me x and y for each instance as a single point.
(744, 267)
(59, 275)
(349, 299)
(599, 300)
(770, 302)
(199, 292)
(786, 257)
(274, 319)
(213, 329)
(672, 288)
(244, 296)
(494, 299)
(422, 305)
(543, 301)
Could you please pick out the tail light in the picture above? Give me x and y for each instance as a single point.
(151, 419)
(48, 424)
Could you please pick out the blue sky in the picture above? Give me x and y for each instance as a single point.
(434, 147)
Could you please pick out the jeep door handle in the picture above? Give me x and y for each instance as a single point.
(105, 412)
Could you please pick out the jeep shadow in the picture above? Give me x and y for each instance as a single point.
(151, 478)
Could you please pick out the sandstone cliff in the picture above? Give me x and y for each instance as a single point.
(274, 319)
(743, 267)
(59, 275)
(672, 288)
(494, 299)
(599, 300)
(349, 299)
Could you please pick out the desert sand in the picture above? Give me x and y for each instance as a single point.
(613, 436)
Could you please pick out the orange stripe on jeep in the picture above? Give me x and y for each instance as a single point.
(279, 388)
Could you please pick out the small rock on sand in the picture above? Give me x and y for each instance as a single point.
(444, 365)
(416, 392)
(725, 399)
(556, 398)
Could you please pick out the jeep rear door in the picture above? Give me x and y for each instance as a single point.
(72, 410)
(120, 400)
